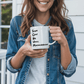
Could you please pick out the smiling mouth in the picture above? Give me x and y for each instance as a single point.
(43, 3)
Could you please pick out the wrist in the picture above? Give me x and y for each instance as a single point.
(64, 44)
(21, 50)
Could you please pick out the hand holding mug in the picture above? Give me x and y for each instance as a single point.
(28, 51)
(58, 35)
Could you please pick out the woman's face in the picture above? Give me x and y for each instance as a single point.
(43, 5)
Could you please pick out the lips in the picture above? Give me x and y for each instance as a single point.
(43, 2)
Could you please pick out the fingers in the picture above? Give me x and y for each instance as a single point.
(42, 53)
(33, 52)
(54, 27)
(56, 35)
(57, 38)
(38, 56)
(37, 53)
(55, 31)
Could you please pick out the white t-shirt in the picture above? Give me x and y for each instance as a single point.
(37, 70)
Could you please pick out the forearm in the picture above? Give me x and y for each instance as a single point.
(65, 55)
(17, 60)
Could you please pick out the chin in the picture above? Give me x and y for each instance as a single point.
(43, 10)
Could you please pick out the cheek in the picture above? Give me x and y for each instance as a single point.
(50, 3)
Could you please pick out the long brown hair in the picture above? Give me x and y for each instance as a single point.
(57, 11)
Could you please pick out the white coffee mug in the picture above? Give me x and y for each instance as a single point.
(40, 37)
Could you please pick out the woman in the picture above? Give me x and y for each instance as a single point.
(42, 66)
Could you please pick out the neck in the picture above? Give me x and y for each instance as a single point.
(42, 17)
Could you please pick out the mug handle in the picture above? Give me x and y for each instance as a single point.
(53, 41)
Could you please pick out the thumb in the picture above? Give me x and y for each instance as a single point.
(28, 39)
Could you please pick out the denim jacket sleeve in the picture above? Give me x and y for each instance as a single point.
(72, 46)
(12, 46)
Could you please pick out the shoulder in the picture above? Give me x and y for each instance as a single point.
(69, 23)
(17, 19)
(15, 23)
(71, 32)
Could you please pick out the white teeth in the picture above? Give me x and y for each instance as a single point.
(43, 3)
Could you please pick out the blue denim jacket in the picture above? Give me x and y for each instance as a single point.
(54, 70)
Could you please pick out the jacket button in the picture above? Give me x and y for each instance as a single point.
(47, 74)
(48, 59)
